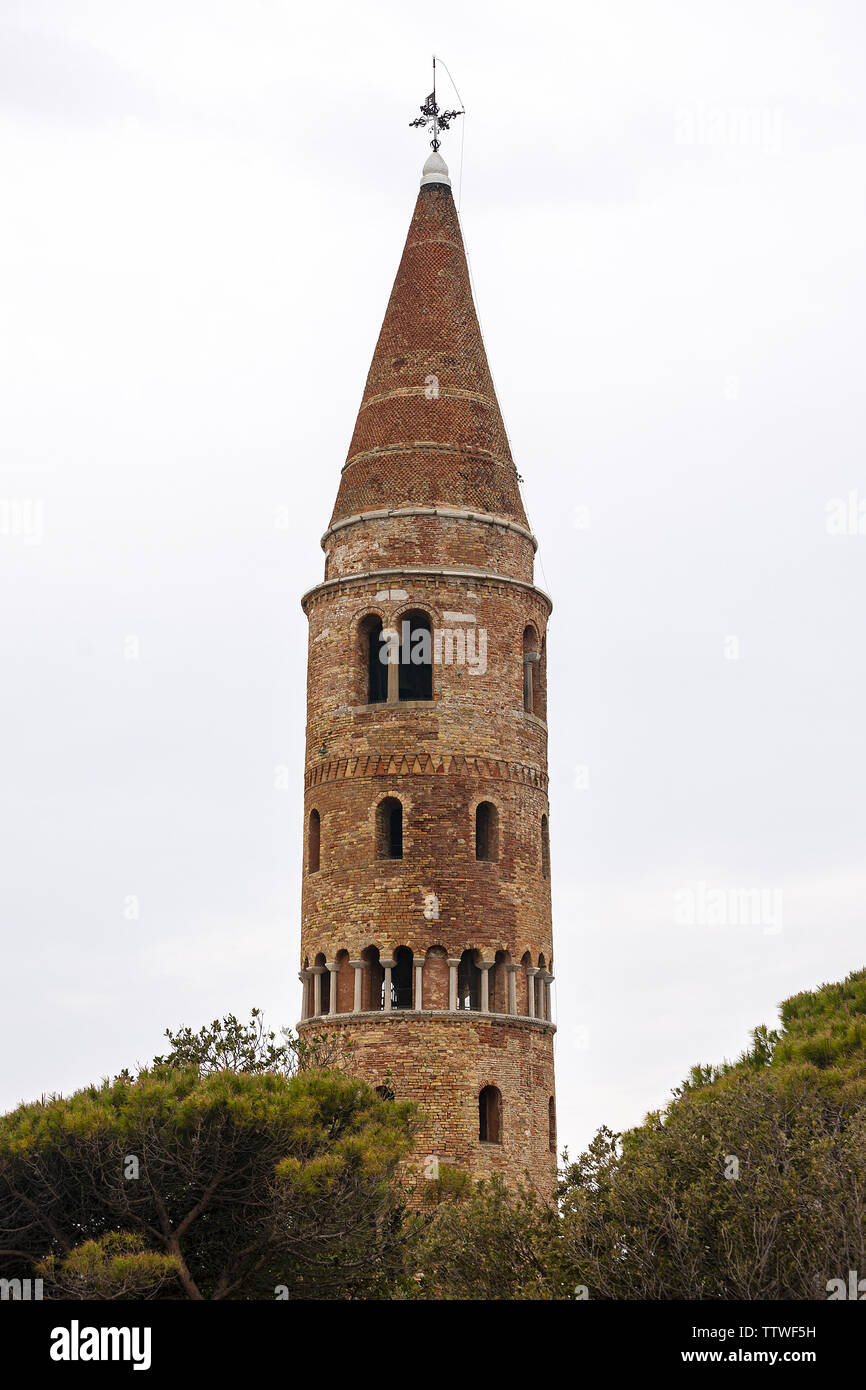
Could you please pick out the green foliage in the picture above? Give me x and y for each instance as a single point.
(451, 1182)
(116, 1266)
(759, 1055)
(246, 1180)
(260, 1169)
(827, 1029)
(750, 1184)
(227, 1044)
(487, 1242)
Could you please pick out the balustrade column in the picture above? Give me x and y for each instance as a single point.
(317, 971)
(392, 637)
(452, 982)
(335, 975)
(541, 998)
(358, 967)
(303, 976)
(484, 967)
(387, 966)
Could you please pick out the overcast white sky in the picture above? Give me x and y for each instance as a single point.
(203, 208)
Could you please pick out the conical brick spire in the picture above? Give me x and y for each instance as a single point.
(429, 431)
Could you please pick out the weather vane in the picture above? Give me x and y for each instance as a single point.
(432, 116)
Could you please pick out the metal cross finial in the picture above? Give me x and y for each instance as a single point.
(432, 116)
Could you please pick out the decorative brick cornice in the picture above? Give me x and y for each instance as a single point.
(399, 764)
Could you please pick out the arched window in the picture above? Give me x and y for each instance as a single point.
(530, 661)
(324, 984)
(468, 982)
(551, 1126)
(374, 981)
(374, 671)
(314, 842)
(401, 979)
(389, 829)
(490, 1115)
(344, 983)
(416, 657)
(545, 848)
(486, 831)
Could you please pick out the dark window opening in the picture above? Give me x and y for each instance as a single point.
(389, 829)
(551, 1125)
(487, 831)
(490, 1115)
(416, 658)
(545, 848)
(468, 982)
(401, 979)
(377, 669)
(324, 985)
(376, 979)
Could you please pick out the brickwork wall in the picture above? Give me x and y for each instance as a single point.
(425, 539)
(472, 712)
(440, 758)
(443, 1064)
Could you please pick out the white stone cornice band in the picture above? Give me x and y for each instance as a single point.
(449, 513)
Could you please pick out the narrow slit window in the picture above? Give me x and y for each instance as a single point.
(314, 843)
(545, 848)
(487, 831)
(389, 829)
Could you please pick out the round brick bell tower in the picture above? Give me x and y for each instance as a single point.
(426, 918)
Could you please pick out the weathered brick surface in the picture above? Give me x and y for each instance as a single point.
(443, 1065)
(429, 518)
(455, 538)
(403, 451)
